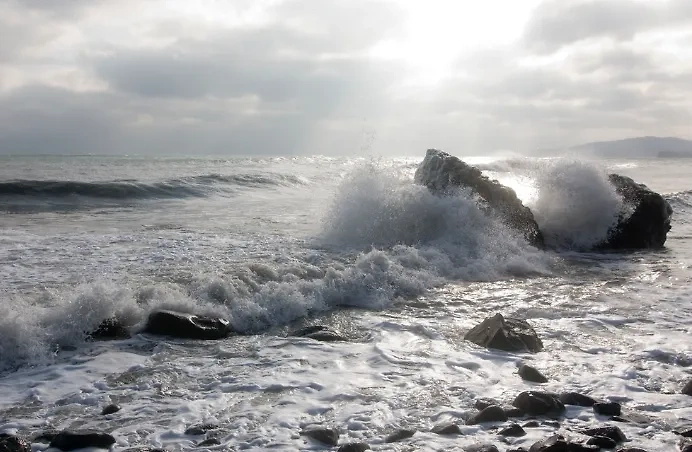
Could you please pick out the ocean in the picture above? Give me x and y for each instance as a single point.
(274, 244)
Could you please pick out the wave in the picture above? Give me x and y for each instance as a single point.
(682, 199)
(47, 194)
(383, 239)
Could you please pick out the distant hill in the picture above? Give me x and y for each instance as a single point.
(641, 147)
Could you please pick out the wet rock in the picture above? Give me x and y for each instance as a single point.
(9, 443)
(532, 424)
(209, 442)
(481, 448)
(685, 432)
(685, 445)
(609, 431)
(186, 326)
(447, 429)
(528, 373)
(607, 409)
(399, 435)
(557, 443)
(536, 403)
(633, 417)
(322, 434)
(632, 449)
(201, 429)
(553, 424)
(353, 447)
(505, 334)
(513, 412)
(442, 173)
(577, 399)
(602, 441)
(320, 333)
(649, 221)
(512, 430)
(481, 404)
(110, 329)
(145, 449)
(110, 409)
(492, 413)
(687, 389)
(45, 436)
(68, 440)
(521, 449)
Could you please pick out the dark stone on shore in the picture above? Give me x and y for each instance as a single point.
(399, 435)
(442, 172)
(9, 443)
(633, 417)
(529, 373)
(532, 424)
(110, 409)
(536, 403)
(685, 445)
(602, 441)
(607, 409)
(45, 437)
(353, 447)
(322, 434)
(186, 326)
(577, 399)
(481, 448)
(493, 413)
(481, 404)
(685, 432)
(201, 429)
(209, 442)
(512, 430)
(513, 412)
(320, 333)
(609, 431)
(648, 223)
(447, 429)
(505, 334)
(687, 389)
(67, 440)
(110, 329)
(557, 443)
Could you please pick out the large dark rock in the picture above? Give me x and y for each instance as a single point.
(536, 403)
(602, 441)
(507, 334)
(493, 413)
(609, 431)
(186, 326)
(512, 430)
(575, 398)
(109, 329)
(649, 221)
(447, 429)
(67, 440)
(687, 389)
(9, 443)
(558, 443)
(322, 434)
(110, 409)
(607, 408)
(441, 172)
(528, 373)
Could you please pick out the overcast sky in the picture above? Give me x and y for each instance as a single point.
(340, 77)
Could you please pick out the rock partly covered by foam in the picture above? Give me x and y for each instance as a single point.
(440, 172)
(9, 443)
(646, 220)
(69, 440)
(186, 326)
(507, 334)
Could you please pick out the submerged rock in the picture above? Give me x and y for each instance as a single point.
(186, 326)
(577, 399)
(322, 434)
(9, 443)
(512, 430)
(493, 413)
(353, 447)
(319, 333)
(110, 329)
(649, 221)
(447, 429)
(399, 435)
(609, 431)
(537, 403)
(505, 334)
(607, 408)
(110, 409)
(558, 443)
(441, 172)
(528, 373)
(481, 448)
(67, 440)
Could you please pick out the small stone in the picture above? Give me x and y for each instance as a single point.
(536, 403)
(67, 440)
(609, 431)
(602, 441)
(557, 443)
(481, 448)
(481, 404)
(197, 430)
(9, 443)
(498, 332)
(492, 413)
(399, 435)
(324, 435)
(209, 442)
(512, 430)
(354, 447)
(607, 409)
(110, 409)
(532, 424)
(577, 399)
(528, 373)
(687, 389)
(447, 429)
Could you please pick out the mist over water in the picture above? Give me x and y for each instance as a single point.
(271, 244)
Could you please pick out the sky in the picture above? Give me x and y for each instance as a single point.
(340, 77)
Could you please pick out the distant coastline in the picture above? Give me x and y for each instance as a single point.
(640, 147)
